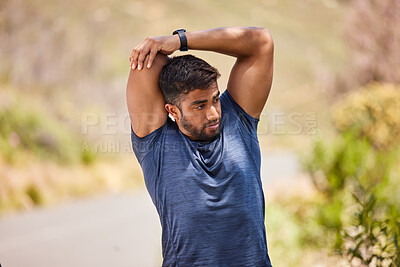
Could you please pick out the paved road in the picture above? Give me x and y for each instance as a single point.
(114, 230)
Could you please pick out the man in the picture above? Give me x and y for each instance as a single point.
(202, 169)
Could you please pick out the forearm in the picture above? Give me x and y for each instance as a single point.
(240, 42)
(234, 41)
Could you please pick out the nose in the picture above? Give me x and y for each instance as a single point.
(212, 114)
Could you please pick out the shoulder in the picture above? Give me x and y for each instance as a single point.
(232, 112)
(152, 142)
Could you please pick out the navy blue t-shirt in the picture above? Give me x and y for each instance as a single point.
(208, 195)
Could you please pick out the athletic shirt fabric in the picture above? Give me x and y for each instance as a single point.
(208, 195)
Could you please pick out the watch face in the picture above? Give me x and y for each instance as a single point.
(176, 31)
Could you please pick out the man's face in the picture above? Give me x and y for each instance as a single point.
(200, 114)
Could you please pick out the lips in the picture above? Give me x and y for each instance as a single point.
(213, 125)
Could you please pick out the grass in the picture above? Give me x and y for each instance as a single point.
(46, 183)
(28, 128)
(44, 160)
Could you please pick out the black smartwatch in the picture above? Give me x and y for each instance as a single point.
(182, 37)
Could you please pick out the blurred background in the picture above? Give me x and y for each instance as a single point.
(72, 192)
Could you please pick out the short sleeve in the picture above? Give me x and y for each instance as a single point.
(142, 146)
(231, 108)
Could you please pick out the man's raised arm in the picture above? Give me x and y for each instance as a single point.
(145, 99)
(249, 82)
(251, 76)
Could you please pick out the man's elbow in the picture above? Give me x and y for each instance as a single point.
(262, 41)
(265, 42)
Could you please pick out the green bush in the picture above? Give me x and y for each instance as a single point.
(358, 176)
(371, 112)
(30, 130)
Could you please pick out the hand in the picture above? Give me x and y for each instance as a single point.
(149, 48)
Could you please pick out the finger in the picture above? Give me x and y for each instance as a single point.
(134, 56)
(152, 55)
(143, 52)
(131, 57)
(131, 62)
(146, 60)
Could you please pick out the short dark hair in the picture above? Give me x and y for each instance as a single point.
(183, 74)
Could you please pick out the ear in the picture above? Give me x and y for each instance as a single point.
(173, 110)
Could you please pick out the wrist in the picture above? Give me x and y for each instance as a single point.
(176, 42)
(181, 33)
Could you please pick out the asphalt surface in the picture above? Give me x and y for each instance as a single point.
(113, 230)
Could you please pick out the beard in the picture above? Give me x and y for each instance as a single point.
(201, 133)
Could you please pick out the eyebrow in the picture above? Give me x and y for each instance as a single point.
(197, 102)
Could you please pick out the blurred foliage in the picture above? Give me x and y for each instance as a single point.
(373, 238)
(358, 177)
(284, 232)
(373, 36)
(291, 226)
(27, 130)
(374, 113)
(46, 183)
(37, 44)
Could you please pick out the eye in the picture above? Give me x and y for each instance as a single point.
(199, 107)
(216, 100)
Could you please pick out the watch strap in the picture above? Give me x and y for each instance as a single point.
(182, 38)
